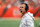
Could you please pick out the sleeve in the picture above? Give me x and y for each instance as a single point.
(23, 22)
(30, 23)
(26, 22)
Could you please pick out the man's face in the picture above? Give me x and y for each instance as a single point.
(22, 8)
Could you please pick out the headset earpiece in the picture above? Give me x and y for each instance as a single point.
(26, 8)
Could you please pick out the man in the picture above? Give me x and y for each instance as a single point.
(27, 19)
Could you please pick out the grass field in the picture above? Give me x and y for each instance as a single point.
(13, 23)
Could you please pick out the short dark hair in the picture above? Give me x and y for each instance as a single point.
(26, 8)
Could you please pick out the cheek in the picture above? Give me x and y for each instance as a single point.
(23, 9)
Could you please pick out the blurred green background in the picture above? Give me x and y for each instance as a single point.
(13, 23)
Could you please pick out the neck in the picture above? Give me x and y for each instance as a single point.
(24, 13)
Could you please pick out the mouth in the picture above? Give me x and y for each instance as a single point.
(21, 11)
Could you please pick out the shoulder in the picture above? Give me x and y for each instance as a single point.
(27, 14)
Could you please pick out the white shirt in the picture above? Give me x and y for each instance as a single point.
(27, 20)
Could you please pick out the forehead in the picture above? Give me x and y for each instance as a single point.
(22, 5)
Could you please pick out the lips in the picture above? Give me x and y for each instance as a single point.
(21, 11)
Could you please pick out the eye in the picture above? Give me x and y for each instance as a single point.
(21, 7)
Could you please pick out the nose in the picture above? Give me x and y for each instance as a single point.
(19, 9)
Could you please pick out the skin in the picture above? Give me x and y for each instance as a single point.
(22, 9)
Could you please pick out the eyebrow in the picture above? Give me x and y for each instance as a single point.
(21, 7)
